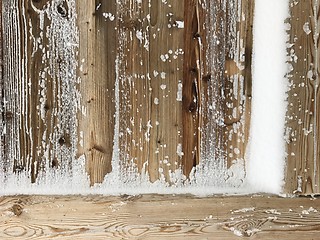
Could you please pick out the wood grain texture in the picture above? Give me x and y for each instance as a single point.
(302, 133)
(1, 90)
(39, 68)
(150, 70)
(142, 217)
(192, 74)
(97, 71)
(238, 79)
(217, 84)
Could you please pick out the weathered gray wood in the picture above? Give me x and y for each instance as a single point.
(158, 217)
(302, 133)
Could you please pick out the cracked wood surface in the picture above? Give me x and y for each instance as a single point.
(158, 217)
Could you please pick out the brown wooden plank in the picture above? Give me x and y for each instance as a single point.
(316, 27)
(238, 79)
(192, 73)
(97, 71)
(1, 93)
(158, 217)
(302, 175)
(217, 84)
(39, 62)
(150, 71)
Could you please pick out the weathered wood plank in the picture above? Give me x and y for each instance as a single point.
(97, 71)
(142, 217)
(150, 71)
(191, 97)
(1, 93)
(302, 175)
(39, 68)
(238, 81)
(217, 85)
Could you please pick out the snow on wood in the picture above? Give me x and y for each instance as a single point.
(155, 96)
(217, 89)
(40, 42)
(267, 146)
(302, 120)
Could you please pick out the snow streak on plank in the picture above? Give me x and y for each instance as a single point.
(39, 88)
(302, 133)
(217, 87)
(157, 88)
(97, 73)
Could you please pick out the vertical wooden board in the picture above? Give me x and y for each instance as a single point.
(316, 76)
(302, 132)
(191, 86)
(238, 81)
(217, 87)
(166, 65)
(97, 73)
(211, 85)
(150, 68)
(39, 68)
(135, 100)
(1, 94)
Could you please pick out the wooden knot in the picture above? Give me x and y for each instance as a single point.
(17, 209)
(62, 10)
(193, 107)
(65, 140)
(207, 78)
(54, 163)
(194, 70)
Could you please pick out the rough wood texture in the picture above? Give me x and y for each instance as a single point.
(238, 79)
(142, 217)
(150, 75)
(97, 72)
(302, 134)
(1, 92)
(192, 74)
(217, 84)
(39, 68)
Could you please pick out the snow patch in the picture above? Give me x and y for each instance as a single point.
(267, 146)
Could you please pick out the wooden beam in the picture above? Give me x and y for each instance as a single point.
(158, 217)
(302, 133)
(97, 72)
